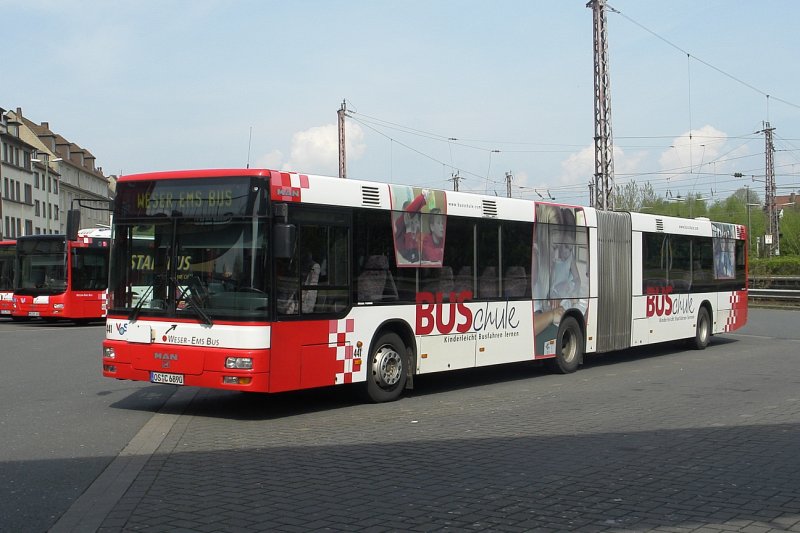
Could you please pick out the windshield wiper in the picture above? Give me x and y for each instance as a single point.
(195, 301)
(135, 313)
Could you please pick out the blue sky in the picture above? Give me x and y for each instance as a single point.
(161, 85)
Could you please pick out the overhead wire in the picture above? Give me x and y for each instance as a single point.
(375, 124)
(699, 60)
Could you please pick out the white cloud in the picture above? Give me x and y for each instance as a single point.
(316, 150)
(272, 160)
(690, 153)
(578, 168)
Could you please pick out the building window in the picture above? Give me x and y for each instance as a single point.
(18, 196)
(56, 209)
(29, 227)
(36, 208)
(5, 189)
(36, 180)
(28, 194)
(50, 211)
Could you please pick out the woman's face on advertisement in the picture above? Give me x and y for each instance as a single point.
(562, 245)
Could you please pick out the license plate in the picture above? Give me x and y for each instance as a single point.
(33, 313)
(4, 312)
(162, 377)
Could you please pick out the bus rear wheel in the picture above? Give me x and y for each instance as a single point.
(703, 330)
(386, 373)
(569, 347)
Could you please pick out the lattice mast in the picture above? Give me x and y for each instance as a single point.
(771, 208)
(603, 140)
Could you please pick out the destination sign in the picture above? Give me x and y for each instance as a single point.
(207, 197)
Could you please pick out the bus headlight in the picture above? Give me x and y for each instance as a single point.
(244, 363)
(108, 353)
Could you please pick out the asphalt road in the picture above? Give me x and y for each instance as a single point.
(61, 422)
(660, 437)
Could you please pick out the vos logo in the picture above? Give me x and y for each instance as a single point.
(122, 328)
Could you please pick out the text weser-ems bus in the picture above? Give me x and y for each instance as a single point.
(258, 280)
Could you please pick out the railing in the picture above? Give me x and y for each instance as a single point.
(776, 289)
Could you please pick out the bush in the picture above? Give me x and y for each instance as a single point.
(775, 266)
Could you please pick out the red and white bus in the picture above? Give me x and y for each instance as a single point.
(59, 278)
(7, 259)
(257, 280)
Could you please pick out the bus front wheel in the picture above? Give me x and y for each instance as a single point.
(703, 330)
(386, 373)
(569, 347)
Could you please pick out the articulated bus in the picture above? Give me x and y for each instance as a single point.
(8, 250)
(61, 278)
(265, 281)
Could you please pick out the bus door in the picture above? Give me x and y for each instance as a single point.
(312, 294)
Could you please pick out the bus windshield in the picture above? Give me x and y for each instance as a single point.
(203, 266)
(7, 256)
(42, 266)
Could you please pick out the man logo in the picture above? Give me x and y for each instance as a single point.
(165, 358)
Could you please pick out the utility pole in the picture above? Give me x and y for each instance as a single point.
(342, 156)
(603, 139)
(455, 179)
(509, 177)
(773, 224)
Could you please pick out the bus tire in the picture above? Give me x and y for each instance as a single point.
(386, 372)
(703, 330)
(569, 347)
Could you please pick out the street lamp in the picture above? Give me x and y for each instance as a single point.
(44, 158)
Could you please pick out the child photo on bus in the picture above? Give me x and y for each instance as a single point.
(418, 221)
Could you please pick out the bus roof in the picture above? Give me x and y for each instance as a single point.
(199, 173)
(327, 190)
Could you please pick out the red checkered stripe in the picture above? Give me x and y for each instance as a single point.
(738, 313)
(340, 336)
(287, 186)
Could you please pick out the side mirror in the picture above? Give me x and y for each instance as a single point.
(73, 224)
(283, 240)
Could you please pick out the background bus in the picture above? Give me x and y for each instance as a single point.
(271, 281)
(7, 259)
(59, 278)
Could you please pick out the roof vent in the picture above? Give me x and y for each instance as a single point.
(370, 196)
(659, 224)
(489, 208)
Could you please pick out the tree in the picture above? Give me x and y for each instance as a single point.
(790, 231)
(632, 197)
(743, 207)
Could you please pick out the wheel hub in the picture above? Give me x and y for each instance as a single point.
(388, 366)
